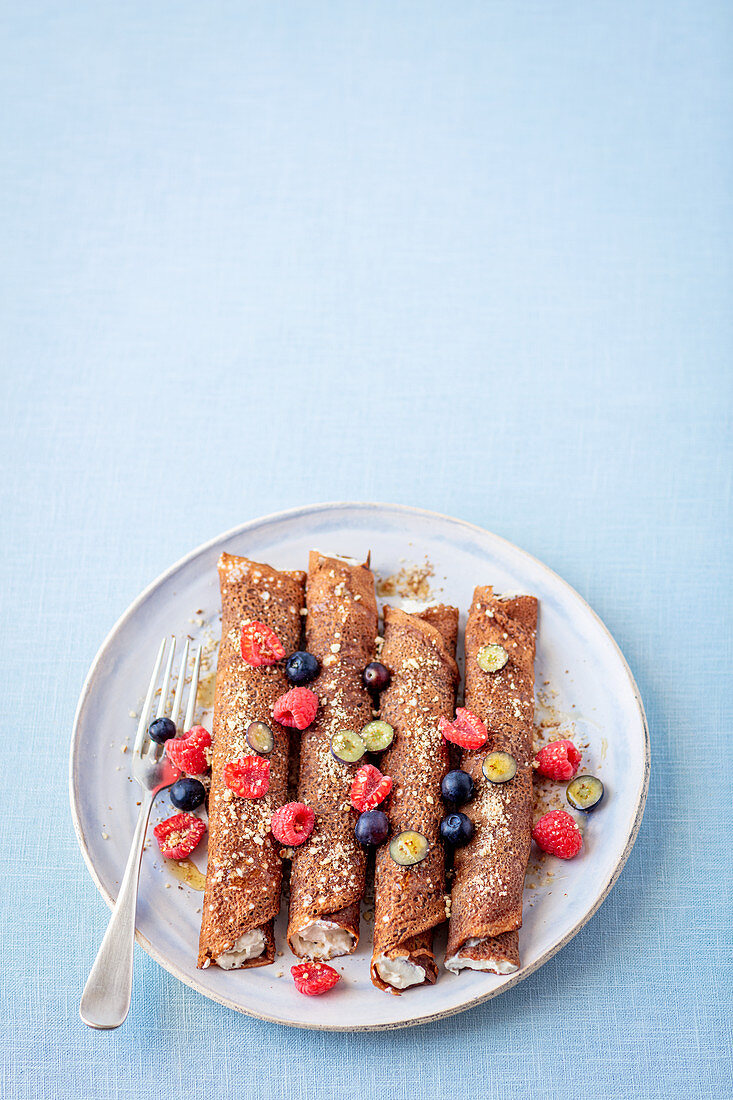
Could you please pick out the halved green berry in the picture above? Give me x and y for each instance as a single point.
(260, 738)
(347, 746)
(408, 848)
(491, 657)
(584, 792)
(377, 735)
(499, 767)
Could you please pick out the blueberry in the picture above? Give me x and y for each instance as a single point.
(456, 829)
(302, 667)
(187, 793)
(585, 792)
(457, 787)
(162, 729)
(409, 848)
(372, 827)
(375, 676)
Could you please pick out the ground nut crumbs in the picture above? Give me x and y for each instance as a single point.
(410, 582)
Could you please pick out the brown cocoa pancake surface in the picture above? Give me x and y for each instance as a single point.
(486, 899)
(327, 879)
(419, 651)
(244, 871)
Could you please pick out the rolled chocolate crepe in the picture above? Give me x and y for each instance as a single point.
(486, 899)
(244, 873)
(409, 902)
(327, 879)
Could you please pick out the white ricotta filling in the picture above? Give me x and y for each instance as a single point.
(322, 939)
(339, 557)
(248, 946)
(460, 962)
(400, 972)
(411, 606)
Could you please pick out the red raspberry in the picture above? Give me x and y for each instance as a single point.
(178, 836)
(369, 788)
(557, 833)
(248, 777)
(293, 823)
(465, 730)
(187, 752)
(558, 760)
(313, 978)
(260, 645)
(296, 707)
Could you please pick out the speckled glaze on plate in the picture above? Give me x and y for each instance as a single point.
(580, 674)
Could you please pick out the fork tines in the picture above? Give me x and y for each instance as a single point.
(142, 728)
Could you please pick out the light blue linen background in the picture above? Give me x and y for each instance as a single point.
(473, 257)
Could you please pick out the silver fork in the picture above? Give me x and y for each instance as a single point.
(105, 1001)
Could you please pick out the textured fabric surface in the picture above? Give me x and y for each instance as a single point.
(470, 256)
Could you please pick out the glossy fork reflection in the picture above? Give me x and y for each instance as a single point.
(106, 998)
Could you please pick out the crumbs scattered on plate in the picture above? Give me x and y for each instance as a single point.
(411, 582)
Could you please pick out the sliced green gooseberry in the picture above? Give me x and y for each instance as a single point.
(585, 792)
(491, 658)
(260, 738)
(347, 746)
(499, 767)
(377, 735)
(408, 848)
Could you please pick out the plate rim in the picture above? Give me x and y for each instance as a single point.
(290, 514)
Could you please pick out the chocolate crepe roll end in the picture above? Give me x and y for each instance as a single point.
(497, 954)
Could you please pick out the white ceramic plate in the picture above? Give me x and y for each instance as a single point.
(583, 682)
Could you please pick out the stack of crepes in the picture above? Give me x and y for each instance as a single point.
(486, 900)
(328, 872)
(419, 651)
(244, 873)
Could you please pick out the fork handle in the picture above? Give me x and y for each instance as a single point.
(105, 1001)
